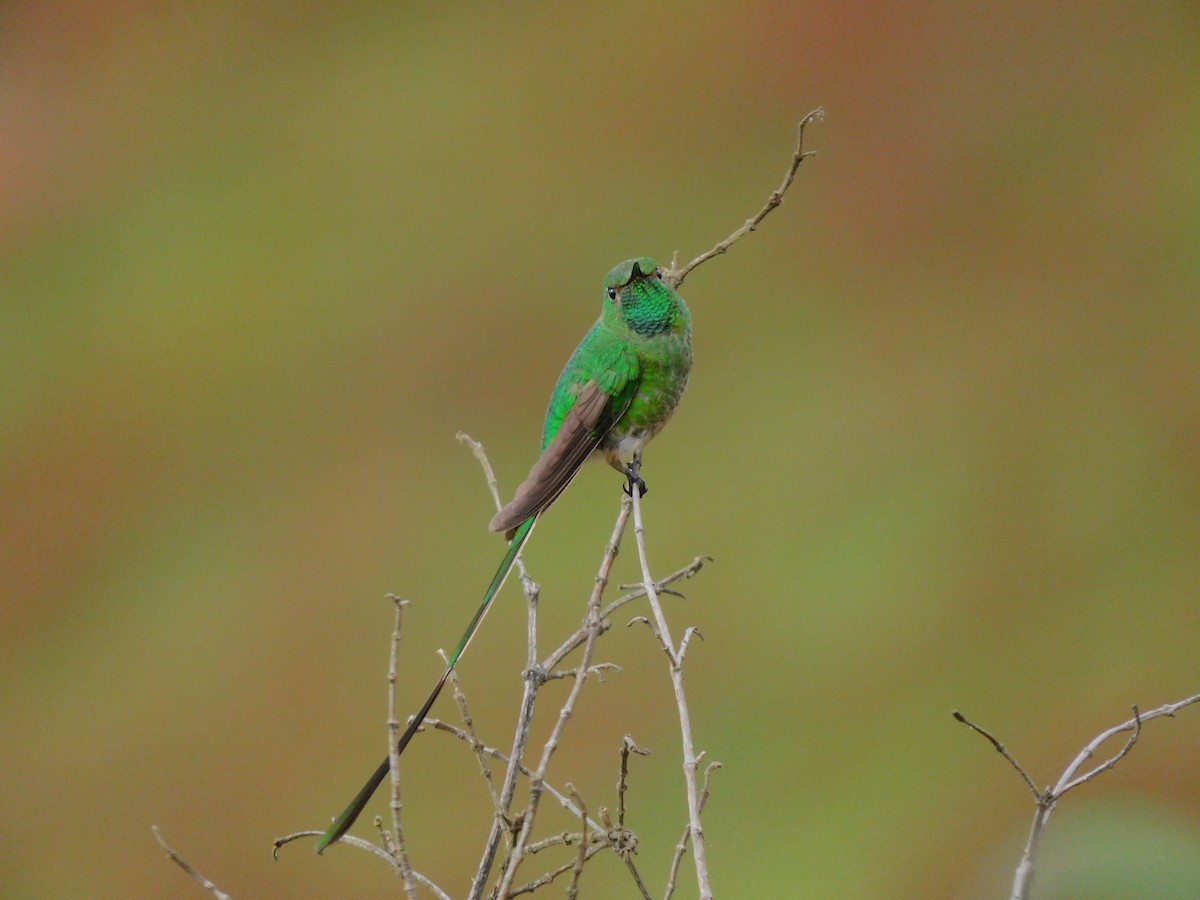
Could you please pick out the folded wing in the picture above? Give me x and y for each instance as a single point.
(593, 414)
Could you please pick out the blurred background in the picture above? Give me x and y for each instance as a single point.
(942, 438)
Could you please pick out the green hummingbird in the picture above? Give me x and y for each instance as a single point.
(615, 393)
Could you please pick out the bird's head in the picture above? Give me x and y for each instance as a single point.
(638, 300)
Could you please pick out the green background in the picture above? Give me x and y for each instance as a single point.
(942, 436)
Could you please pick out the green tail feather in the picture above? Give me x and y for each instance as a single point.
(343, 822)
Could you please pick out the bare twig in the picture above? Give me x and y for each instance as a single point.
(637, 876)
(1046, 800)
(399, 850)
(350, 840)
(186, 866)
(598, 670)
(708, 774)
(472, 737)
(563, 839)
(577, 871)
(622, 839)
(627, 747)
(691, 760)
(548, 877)
(682, 845)
(347, 839)
(1003, 751)
(494, 489)
(675, 275)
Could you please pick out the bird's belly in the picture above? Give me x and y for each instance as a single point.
(629, 444)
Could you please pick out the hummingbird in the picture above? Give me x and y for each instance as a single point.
(615, 393)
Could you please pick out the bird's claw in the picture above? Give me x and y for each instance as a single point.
(632, 478)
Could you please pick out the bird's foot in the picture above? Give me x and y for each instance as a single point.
(633, 478)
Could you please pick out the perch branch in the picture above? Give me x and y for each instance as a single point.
(691, 760)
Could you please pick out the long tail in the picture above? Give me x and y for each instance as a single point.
(343, 822)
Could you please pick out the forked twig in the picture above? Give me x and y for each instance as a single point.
(1045, 800)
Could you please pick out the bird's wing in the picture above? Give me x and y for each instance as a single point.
(588, 420)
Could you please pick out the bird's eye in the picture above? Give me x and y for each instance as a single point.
(658, 271)
(612, 293)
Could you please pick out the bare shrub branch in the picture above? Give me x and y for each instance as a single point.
(1045, 800)
(691, 760)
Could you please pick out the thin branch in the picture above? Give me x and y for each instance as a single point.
(677, 861)
(598, 670)
(187, 867)
(347, 839)
(1003, 751)
(637, 876)
(622, 839)
(577, 871)
(674, 275)
(494, 489)
(682, 845)
(708, 774)
(399, 850)
(565, 839)
(627, 747)
(691, 760)
(547, 878)
(472, 736)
